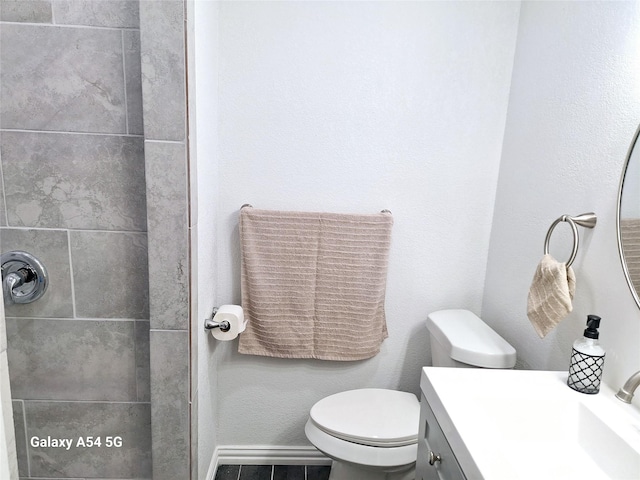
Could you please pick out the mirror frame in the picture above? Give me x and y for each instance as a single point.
(625, 269)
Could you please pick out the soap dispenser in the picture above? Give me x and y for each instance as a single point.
(587, 359)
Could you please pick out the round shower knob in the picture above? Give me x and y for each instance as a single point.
(24, 277)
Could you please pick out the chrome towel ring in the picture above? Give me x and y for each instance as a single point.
(587, 220)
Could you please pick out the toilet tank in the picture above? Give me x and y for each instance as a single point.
(460, 339)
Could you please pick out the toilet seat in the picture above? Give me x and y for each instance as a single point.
(370, 416)
(393, 458)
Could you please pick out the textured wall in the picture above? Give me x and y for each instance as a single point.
(357, 107)
(74, 185)
(573, 111)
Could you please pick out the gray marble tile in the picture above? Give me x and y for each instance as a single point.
(72, 359)
(194, 312)
(170, 407)
(167, 222)
(143, 373)
(163, 73)
(58, 180)
(98, 13)
(51, 247)
(194, 436)
(28, 11)
(110, 274)
(129, 421)
(74, 84)
(3, 210)
(21, 438)
(133, 81)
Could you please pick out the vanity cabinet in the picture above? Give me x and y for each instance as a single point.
(436, 460)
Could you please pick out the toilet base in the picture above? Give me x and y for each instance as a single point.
(349, 471)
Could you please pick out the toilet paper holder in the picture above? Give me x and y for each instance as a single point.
(210, 323)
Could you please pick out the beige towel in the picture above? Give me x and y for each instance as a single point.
(630, 237)
(550, 295)
(313, 284)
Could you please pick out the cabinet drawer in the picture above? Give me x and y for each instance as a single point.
(431, 442)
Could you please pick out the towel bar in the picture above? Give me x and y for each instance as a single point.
(587, 220)
(251, 206)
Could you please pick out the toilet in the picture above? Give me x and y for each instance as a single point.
(372, 433)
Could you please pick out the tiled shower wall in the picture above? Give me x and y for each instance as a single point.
(162, 39)
(73, 179)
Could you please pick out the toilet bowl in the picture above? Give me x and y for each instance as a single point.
(372, 433)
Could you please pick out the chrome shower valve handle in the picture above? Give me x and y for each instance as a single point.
(24, 277)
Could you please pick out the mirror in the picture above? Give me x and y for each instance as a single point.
(628, 218)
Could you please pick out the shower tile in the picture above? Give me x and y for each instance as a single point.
(143, 380)
(129, 421)
(58, 180)
(170, 407)
(3, 210)
(255, 472)
(318, 472)
(288, 472)
(97, 13)
(163, 74)
(133, 81)
(74, 84)
(168, 235)
(227, 472)
(28, 11)
(66, 359)
(51, 247)
(21, 438)
(194, 435)
(110, 274)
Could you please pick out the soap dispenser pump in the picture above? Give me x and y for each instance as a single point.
(587, 359)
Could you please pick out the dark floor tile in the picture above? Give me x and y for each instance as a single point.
(227, 472)
(318, 472)
(255, 472)
(288, 472)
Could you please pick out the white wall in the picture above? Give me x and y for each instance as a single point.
(358, 107)
(575, 98)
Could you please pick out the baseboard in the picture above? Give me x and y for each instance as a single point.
(265, 455)
(213, 465)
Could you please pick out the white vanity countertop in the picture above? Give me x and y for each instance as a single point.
(525, 424)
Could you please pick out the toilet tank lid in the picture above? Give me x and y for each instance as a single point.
(469, 340)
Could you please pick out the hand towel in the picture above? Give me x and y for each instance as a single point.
(551, 294)
(630, 237)
(313, 284)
